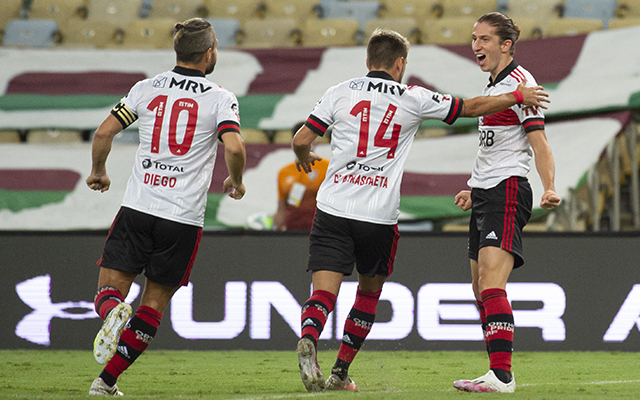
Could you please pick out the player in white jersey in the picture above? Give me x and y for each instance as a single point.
(157, 231)
(375, 119)
(500, 198)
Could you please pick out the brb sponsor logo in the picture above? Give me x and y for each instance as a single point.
(155, 179)
(438, 311)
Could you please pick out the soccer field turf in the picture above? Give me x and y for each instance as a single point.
(49, 374)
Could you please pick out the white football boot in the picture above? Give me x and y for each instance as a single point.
(104, 346)
(99, 388)
(309, 369)
(335, 383)
(487, 383)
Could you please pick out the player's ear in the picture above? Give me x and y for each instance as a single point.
(506, 45)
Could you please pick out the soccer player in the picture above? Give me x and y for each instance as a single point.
(500, 198)
(181, 116)
(374, 119)
(297, 194)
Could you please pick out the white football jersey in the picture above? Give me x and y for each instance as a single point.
(504, 147)
(181, 115)
(374, 120)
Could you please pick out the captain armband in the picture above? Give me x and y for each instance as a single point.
(124, 115)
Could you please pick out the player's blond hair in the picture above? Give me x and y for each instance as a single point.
(505, 28)
(192, 39)
(385, 47)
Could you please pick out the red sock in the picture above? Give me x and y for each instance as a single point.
(358, 324)
(135, 338)
(106, 299)
(500, 328)
(315, 312)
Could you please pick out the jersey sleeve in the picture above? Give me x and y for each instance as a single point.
(228, 115)
(322, 115)
(531, 117)
(444, 107)
(125, 110)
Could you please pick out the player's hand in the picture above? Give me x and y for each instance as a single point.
(533, 96)
(463, 200)
(550, 200)
(99, 182)
(236, 191)
(306, 165)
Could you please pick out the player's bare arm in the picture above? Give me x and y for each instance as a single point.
(463, 200)
(101, 147)
(234, 157)
(545, 165)
(485, 105)
(301, 144)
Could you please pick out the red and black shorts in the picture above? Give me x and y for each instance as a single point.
(337, 244)
(498, 216)
(164, 250)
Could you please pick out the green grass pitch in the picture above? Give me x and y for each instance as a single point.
(249, 375)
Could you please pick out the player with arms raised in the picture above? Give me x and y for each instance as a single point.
(375, 119)
(157, 231)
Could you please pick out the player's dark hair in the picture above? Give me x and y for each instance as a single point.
(385, 47)
(505, 28)
(192, 39)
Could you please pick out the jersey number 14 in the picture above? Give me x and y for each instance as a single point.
(363, 108)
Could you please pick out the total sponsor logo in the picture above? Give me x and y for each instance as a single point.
(157, 179)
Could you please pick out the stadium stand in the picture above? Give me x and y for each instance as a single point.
(543, 11)
(84, 33)
(530, 28)
(467, 8)
(178, 10)
(54, 136)
(301, 10)
(30, 33)
(573, 26)
(618, 23)
(603, 10)
(9, 137)
(226, 31)
(269, 32)
(151, 33)
(447, 31)
(361, 11)
(115, 12)
(236, 9)
(58, 10)
(628, 8)
(405, 26)
(330, 32)
(420, 10)
(9, 9)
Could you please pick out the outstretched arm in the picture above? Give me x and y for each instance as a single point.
(101, 147)
(546, 168)
(485, 105)
(301, 145)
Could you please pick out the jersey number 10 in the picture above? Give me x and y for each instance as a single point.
(160, 104)
(364, 109)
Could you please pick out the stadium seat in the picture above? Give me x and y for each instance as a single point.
(467, 8)
(298, 9)
(407, 27)
(178, 10)
(57, 10)
(236, 9)
(226, 30)
(530, 28)
(618, 23)
(603, 10)
(361, 11)
(83, 33)
(9, 137)
(542, 11)
(9, 9)
(420, 10)
(30, 33)
(150, 33)
(269, 32)
(255, 136)
(573, 26)
(628, 8)
(330, 32)
(447, 31)
(116, 12)
(54, 136)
